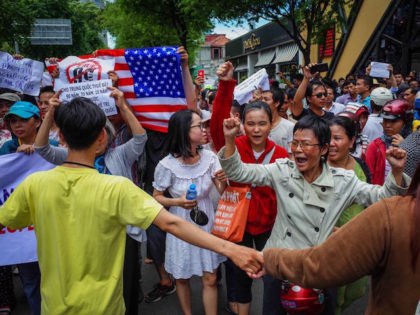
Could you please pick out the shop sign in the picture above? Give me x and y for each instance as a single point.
(252, 42)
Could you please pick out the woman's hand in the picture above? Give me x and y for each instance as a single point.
(396, 157)
(225, 71)
(397, 140)
(26, 148)
(185, 203)
(220, 175)
(231, 127)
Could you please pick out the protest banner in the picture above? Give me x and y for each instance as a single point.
(18, 246)
(97, 91)
(379, 69)
(76, 70)
(22, 75)
(243, 91)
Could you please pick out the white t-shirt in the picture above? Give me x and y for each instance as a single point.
(282, 134)
(373, 128)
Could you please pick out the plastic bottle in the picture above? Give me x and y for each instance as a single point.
(191, 192)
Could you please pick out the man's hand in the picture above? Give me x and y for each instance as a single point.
(184, 56)
(248, 259)
(307, 71)
(225, 71)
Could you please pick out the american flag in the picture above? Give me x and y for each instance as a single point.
(151, 80)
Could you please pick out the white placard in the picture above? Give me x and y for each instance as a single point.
(22, 75)
(18, 246)
(76, 70)
(243, 91)
(379, 69)
(97, 91)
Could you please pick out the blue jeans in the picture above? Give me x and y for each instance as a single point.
(30, 276)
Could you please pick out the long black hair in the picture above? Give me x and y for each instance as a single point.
(178, 142)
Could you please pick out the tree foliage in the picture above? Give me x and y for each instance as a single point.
(304, 20)
(137, 23)
(86, 29)
(16, 18)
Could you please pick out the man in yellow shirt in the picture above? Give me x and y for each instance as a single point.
(80, 217)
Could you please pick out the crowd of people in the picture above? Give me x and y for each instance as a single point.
(314, 155)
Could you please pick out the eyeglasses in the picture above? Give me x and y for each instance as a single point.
(320, 95)
(201, 126)
(304, 145)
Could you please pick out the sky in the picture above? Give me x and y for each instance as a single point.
(232, 31)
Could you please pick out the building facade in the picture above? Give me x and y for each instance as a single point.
(211, 54)
(268, 46)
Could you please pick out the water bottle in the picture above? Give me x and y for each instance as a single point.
(191, 192)
(196, 215)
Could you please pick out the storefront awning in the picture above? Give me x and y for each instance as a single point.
(241, 67)
(265, 58)
(286, 53)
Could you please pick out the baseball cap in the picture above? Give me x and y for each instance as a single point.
(23, 110)
(10, 97)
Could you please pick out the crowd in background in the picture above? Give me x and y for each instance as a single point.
(312, 128)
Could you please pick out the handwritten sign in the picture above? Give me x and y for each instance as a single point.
(97, 91)
(20, 75)
(243, 91)
(18, 246)
(379, 69)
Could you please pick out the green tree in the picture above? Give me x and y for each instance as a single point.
(304, 20)
(137, 23)
(16, 18)
(86, 28)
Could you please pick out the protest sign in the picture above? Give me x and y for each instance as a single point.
(18, 246)
(97, 91)
(22, 75)
(379, 69)
(76, 70)
(243, 91)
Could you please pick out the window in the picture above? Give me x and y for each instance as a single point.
(216, 53)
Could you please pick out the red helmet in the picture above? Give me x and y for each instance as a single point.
(395, 109)
(356, 108)
(297, 300)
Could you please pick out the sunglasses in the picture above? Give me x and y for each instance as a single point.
(320, 95)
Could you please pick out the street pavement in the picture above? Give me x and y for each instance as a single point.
(169, 305)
